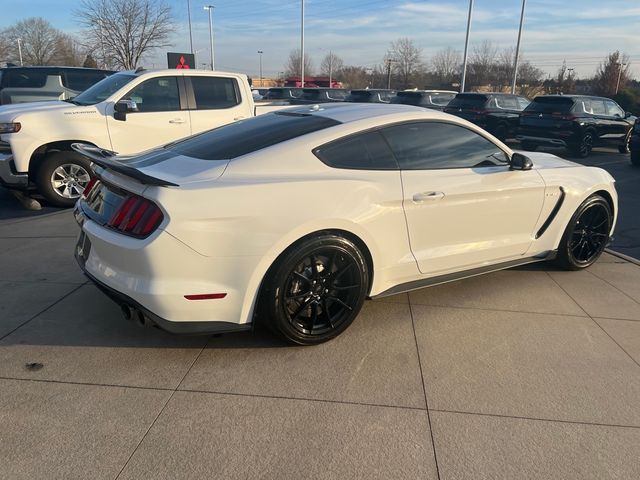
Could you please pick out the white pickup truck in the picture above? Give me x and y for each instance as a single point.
(128, 112)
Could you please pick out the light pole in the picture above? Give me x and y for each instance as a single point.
(466, 48)
(20, 51)
(210, 8)
(330, 69)
(620, 65)
(260, 52)
(190, 34)
(302, 44)
(515, 64)
(389, 62)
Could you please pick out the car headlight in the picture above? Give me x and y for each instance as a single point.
(10, 127)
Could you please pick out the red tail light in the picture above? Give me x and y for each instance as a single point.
(90, 186)
(136, 216)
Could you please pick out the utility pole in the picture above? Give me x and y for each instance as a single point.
(389, 62)
(466, 48)
(190, 33)
(620, 65)
(515, 65)
(330, 69)
(260, 52)
(302, 44)
(20, 51)
(210, 8)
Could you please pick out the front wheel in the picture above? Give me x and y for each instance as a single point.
(587, 234)
(316, 289)
(62, 177)
(582, 149)
(624, 148)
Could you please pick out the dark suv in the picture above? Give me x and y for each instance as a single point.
(319, 95)
(497, 113)
(370, 96)
(34, 84)
(634, 143)
(576, 122)
(433, 99)
(282, 93)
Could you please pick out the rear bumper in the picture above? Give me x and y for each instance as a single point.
(9, 178)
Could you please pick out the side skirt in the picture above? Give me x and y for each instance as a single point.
(452, 277)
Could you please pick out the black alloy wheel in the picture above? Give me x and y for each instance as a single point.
(316, 290)
(585, 145)
(624, 148)
(586, 235)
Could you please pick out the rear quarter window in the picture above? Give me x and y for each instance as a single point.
(365, 151)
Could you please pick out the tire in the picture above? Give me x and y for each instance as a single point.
(315, 290)
(586, 235)
(635, 158)
(529, 147)
(582, 149)
(59, 168)
(624, 148)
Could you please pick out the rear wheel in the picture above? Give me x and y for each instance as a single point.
(587, 234)
(62, 177)
(316, 289)
(584, 146)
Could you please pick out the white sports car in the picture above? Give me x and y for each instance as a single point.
(295, 217)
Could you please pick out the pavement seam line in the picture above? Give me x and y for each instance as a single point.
(31, 218)
(594, 321)
(534, 419)
(424, 387)
(614, 286)
(42, 311)
(173, 392)
(46, 237)
(485, 309)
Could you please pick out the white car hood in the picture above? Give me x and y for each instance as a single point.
(12, 111)
(543, 161)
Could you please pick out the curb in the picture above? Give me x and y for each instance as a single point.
(627, 258)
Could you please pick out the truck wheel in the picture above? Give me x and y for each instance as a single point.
(62, 177)
(635, 158)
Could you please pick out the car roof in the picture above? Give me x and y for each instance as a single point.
(52, 67)
(573, 95)
(352, 112)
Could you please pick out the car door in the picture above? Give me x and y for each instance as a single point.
(161, 116)
(463, 205)
(602, 122)
(619, 125)
(214, 101)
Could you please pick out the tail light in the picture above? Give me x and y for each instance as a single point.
(89, 187)
(136, 216)
(563, 116)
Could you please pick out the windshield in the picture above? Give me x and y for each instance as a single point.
(103, 89)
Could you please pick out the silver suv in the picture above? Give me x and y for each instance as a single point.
(34, 84)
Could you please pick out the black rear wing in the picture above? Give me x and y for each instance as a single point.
(107, 159)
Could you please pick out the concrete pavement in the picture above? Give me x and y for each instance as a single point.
(528, 373)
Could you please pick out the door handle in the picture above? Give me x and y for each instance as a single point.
(421, 197)
(177, 120)
(241, 117)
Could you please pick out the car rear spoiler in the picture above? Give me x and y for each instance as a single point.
(107, 159)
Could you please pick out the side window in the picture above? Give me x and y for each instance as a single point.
(597, 107)
(156, 95)
(80, 80)
(523, 102)
(434, 145)
(213, 93)
(614, 110)
(583, 106)
(25, 78)
(366, 151)
(507, 102)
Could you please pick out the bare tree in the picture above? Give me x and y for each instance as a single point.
(330, 64)
(68, 52)
(355, 77)
(483, 62)
(4, 49)
(613, 74)
(406, 60)
(38, 39)
(123, 31)
(292, 67)
(446, 65)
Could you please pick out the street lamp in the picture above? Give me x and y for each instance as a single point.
(620, 65)
(260, 52)
(210, 8)
(302, 44)
(515, 65)
(466, 48)
(189, 15)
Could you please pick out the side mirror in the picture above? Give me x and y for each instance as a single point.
(122, 107)
(628, 114)
(520, 162)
